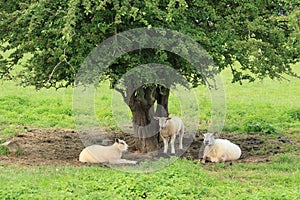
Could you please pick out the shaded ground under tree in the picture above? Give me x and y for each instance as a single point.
(62, 146)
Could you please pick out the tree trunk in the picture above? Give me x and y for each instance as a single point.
(141, 104)
(162, 97)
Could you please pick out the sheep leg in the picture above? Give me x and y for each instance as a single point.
(172, 144)
(218, 160)
(123, 161)
(203, 159)
(205, 153)
(165, 144)
(180, 138)
(223, 158)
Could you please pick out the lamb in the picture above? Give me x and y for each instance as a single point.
(169, 128)
(218, 150)
(105, 154)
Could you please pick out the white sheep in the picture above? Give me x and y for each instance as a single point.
(169, 128)
(105, 154)
(218, 150)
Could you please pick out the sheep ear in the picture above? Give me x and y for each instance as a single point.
(117, 140)
(168, 118)
(156, 118)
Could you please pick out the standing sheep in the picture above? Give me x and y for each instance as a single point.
(169, 128)
(218, 150)
(105, 154)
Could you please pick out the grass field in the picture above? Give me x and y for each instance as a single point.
(181, 180)
(268, 107)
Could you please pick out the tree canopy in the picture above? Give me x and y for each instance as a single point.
(263, 36)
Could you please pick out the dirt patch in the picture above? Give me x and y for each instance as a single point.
(62, 146)
(46, 147)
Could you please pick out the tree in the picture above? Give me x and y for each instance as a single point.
(262, 36)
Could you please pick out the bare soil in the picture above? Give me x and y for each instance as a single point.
(39, 147)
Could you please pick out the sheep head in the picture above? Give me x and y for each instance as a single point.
(209, 138)
(121, 145)
(162, 121)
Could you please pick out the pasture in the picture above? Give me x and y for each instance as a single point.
(263, 117)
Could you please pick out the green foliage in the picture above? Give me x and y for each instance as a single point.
(60, 34)
(260, 127)
(295, 114)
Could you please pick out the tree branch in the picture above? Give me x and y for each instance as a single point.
(54, 69)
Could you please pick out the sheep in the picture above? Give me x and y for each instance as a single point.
(169, 128)
(105, 154)
(218, 150)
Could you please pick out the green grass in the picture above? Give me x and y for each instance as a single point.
(26, 106)
(3, 150)
(181, 180)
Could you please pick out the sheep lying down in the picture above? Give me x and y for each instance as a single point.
(105, 154)
(219, 150)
